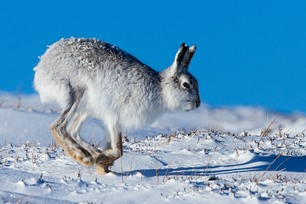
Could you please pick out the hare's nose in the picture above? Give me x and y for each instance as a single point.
(198, 102)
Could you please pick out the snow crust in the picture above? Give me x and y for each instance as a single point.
(210, 155)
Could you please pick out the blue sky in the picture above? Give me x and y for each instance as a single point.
(249, 52)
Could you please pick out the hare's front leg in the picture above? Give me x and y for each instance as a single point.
(108, 156)
(58, 129)
(74, 127)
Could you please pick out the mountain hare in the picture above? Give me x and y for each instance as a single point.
(88, 77)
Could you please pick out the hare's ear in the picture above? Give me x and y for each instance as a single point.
(180, 55)
(188, 56)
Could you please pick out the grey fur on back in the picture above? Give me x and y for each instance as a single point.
(88, 77)
(82, 63)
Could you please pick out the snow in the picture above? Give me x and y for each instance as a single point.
(210, 155)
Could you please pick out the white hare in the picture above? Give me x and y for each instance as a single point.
(88, 77)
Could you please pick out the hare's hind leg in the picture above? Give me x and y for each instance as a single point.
(58, 129)
(108, 156)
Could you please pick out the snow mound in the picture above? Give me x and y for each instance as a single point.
(30, 120)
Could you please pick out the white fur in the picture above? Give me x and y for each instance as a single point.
(111, 85)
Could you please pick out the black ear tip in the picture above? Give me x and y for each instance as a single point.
(184, 45)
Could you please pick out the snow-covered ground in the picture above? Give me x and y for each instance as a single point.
(210, 155)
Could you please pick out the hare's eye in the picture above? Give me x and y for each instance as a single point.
(186, 85)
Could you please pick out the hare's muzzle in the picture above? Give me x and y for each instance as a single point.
(198, 102)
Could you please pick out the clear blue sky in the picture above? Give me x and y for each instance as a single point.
(249, 52)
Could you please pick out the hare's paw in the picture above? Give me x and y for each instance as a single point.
(80, 155)
(102, 169)
(103, 162)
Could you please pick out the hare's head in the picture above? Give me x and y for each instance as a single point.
(180, 88)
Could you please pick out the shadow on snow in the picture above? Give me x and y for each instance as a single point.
(257, 163)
